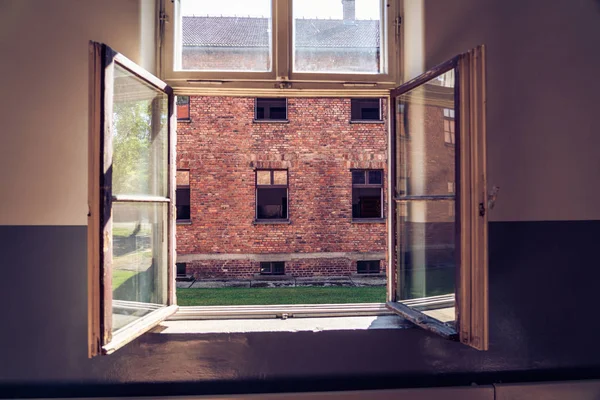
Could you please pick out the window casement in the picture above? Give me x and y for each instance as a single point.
(271, 195)
(182, 196)
(131, 212)
(368, 267)
(367, 194)
(449, 134)
(272, 268)
(365, 110)
(439, 258)
(183, 108)
(280, 44)
(270, 109)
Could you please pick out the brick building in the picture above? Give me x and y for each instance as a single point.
(305, 218)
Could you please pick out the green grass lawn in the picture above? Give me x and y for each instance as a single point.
(120, 276)
(283, 295)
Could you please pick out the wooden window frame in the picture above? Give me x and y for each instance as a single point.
(271, 186)
(281, 75)
(268, 118)
(471, 293)
(367, 121)
(101, 339)
(368, 185)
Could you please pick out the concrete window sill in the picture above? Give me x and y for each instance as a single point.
(271, 121)
(357, 323)
(368, 221)
(367, 121)
(184, 222)
(271, 222)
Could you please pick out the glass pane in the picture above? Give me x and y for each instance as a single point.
(280, 177)
(140, 137)
(375, 177)
(341, 36)
(358, 178)
(424, 157)
(366, 203)
(426, 253)
(225, 36)
(271, 203)
(263, 177)
(140, 263)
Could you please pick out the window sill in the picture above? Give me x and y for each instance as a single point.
(271, 121)
(367, 121)
(271, 222)
(368, 220)
(357, 323)
(184, 222)
(185, 121)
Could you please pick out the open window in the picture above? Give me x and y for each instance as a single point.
(439, 221)
(131, 212)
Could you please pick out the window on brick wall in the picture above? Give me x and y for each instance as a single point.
(181, 269)
(183, 108)
(367, 194)
(362, 110)
(182, 196)
(449, 136)
(271, 195)
(368, 267)
(272, 268)
(270, 110)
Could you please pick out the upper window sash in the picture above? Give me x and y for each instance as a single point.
(282, 74)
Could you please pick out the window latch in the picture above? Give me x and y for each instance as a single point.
(481, 210)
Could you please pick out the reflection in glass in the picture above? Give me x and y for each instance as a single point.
(426, 235)
(139, 135)
(139, 279)
(342, 36)
(221, 36)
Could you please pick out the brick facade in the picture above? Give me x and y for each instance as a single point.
(222, 146)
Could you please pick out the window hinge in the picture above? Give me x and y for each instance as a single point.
(481, 210)
(163, 17)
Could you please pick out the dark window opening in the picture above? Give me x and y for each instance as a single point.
(183, 108)
(181, 269)
(182, 196)
(270, 110)
(367, 193)
(365, 110)
(272, 268)
(368, 267)
(271, 195)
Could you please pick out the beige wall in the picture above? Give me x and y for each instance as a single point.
(44, 102)
(543, 127)
(543, 98)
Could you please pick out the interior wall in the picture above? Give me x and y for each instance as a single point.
(543, 275)
(44, 106)
(542, 92)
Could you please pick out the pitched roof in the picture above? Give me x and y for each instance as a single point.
(255, 32)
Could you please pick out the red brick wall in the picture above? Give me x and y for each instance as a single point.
(222, 146)
(245, 269)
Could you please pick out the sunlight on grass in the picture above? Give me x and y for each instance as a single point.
(120, 276)
(283, 295)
